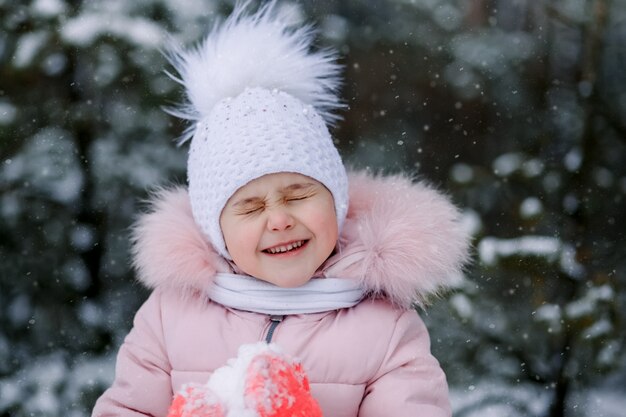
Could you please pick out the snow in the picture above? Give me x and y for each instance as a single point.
(87, 27)
(47, 8)
(609, 354)
(75, 274)
(573, 159)
(90, 313)
(142, 163)
(530, 207)
(550, 314)
(574, 10)
(448, 17)
(569, 264)
(40, 381)
(500, 398)
(10, 208)
(7, 113)
(508, 163)
(465, 80)
(48, 167)
(605, 403)
(90, 372)
(228, 382)
(494, 51)
(9, 394)
(246, 386)
(600, 328)
(29, 45)
(44, 386)
(532, 168)
(20, 310)
(48, 164)
(335, 27)
(54, 64)
(191, 20)
(462, 305)
(227, 385)
(587, 304)
(462, 173)
(490, 249)
(109, 65)
(82, 237)
(471, 221)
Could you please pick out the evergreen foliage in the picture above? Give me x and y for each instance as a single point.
(518, 108)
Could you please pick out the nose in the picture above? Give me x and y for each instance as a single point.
(279, 219)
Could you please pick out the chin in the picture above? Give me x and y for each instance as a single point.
(290, 282)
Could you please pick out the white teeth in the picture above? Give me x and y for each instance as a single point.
(280, 249)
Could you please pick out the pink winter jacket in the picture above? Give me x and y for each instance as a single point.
(402, 241)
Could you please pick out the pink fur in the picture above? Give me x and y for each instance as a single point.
(410, 236)
(406, 239)
(169, 249)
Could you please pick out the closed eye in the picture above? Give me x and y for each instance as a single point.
(298, 197)
(295, 196)
(250, 210)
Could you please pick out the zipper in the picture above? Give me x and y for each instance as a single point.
(275, 320)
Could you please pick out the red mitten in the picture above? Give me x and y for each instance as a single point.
(260, 382)
(195, 400)
(278, 387)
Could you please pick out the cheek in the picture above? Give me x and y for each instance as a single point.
(325, 224)
(238, 239)
(332, 233)
(243, 254)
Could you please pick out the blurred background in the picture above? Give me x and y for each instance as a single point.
(515, 108)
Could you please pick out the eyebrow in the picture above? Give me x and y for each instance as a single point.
(291, 187)
(298, 186)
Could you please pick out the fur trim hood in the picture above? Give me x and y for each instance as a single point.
(404, 241)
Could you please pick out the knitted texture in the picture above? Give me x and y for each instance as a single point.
(258, 99)
(256, 133)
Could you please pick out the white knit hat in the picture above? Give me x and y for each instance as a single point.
(259, 101)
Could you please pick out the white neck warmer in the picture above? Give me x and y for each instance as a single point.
(250, 294)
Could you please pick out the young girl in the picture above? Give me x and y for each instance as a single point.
(274, 241)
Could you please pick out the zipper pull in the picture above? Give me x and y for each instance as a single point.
(275, 320)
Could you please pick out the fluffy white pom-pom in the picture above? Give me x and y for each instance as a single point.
(255, 50)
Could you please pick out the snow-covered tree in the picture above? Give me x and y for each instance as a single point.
(517, 107)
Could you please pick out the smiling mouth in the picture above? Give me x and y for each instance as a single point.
(290, 247)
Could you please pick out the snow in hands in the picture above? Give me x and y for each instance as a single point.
(260, 382)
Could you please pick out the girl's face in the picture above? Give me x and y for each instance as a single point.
(280, 228)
